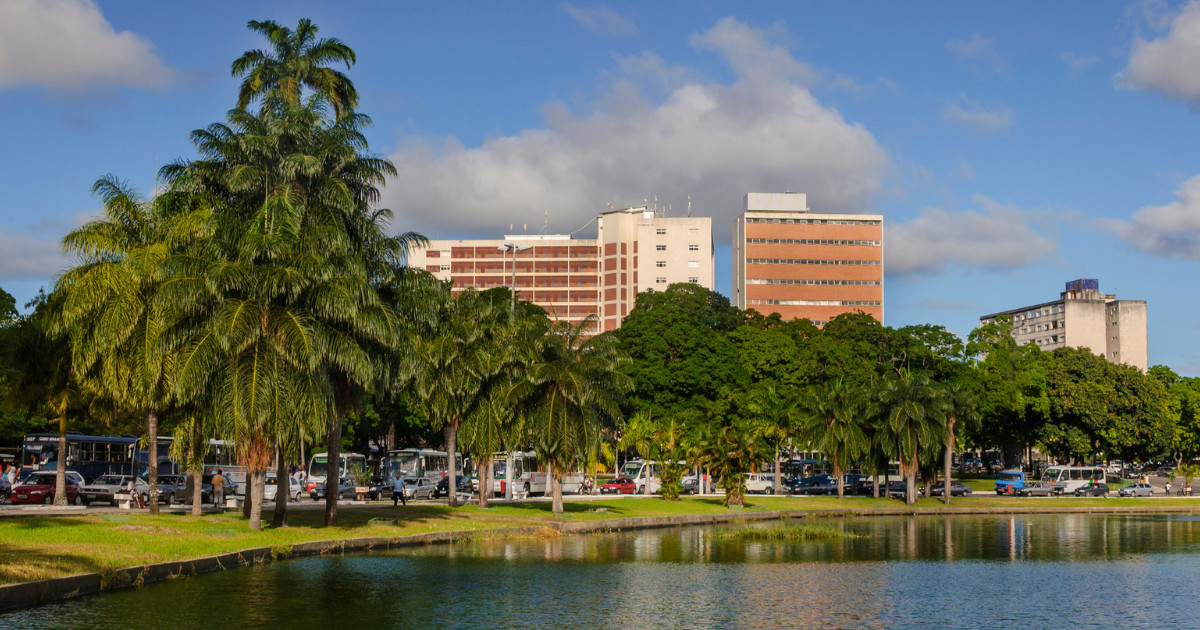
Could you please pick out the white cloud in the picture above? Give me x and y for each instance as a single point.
(969, 114)
(69, 45)
(979, 52)
(1077, 63)
(962, 170)
(1167, 65)
(995, 237)
(26, 257)
(600, 20)
(1170, 231)
(765, 131)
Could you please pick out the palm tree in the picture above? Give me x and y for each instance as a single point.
(912, 419)
(571, 394)
(961, 406)
(639, 435)
(832, 419)
(733, 449)
(774, 410)
(297, 59)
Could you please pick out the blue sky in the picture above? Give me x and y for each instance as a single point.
(1011, 147)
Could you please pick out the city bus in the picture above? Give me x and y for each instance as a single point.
(418, 462)
(1067, 479)
(90, 456)
(318, 467)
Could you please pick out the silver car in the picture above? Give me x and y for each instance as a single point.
(1137, 490)
(418, 488)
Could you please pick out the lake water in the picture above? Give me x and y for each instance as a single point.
(1038, 571)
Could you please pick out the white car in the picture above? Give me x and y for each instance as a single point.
(295, 490)
(1137, 490)
(107, 486)
(758, 484)
(418, 488)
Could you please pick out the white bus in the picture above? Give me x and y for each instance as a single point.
(418, 462)
(639, 470)
(318, 467)
(527, 475)
(1067, 479)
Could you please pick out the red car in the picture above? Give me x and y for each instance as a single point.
(39, 488)
(620, 485)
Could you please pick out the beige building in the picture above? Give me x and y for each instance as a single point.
(1086, 318)
(636, 249)
(807, 265)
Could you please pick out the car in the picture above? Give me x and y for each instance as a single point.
(106, 487)
(758, 484)
(862, 488)
(418, 488)
(816, 484)
(1165, 471)
(39, 488)
(346, 490)
(271, 489)
(957, 489)
(1010, 482)
(442, 488)
(619, 485)
(1136, 490)
(1092, 490)
(1039, 489)
(172, 488)
(897, 488)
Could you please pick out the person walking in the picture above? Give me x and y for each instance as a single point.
(1168, 488)
(218, 486)
(398, 490)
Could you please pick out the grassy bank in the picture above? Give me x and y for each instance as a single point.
(38, 547)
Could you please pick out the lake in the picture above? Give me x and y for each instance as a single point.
(1035, 571)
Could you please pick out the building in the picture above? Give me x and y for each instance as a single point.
(635, 249)
(801, 264)
(1086, 318)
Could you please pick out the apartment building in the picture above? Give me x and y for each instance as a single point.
(635, 249)
(1086, 318)
(806, 265)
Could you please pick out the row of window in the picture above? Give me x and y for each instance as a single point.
(818, 302)
(1050, 310)
(663, 231)
(812, 241)
(800, 261)
(1058, 323)
(691, 263)
(662, 280)
(814, 221)
(856, 283)
(663, 248)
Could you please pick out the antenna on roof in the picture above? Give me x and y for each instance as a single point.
(689, 205)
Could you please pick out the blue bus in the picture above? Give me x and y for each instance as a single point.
(91, 456)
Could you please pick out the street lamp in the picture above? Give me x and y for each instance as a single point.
(512, 308)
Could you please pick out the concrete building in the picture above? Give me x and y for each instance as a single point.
(801, 264)
(1086, 318)
(635, 249)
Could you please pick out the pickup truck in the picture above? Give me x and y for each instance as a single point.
(1010, 482)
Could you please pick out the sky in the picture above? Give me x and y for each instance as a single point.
(1011, 147)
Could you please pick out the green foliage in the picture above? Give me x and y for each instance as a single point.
(8, 308)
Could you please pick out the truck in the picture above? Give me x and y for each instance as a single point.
(1010, 482)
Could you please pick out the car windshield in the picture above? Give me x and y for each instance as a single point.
(40, 480)
(1010, 476)
(108, 480)
(412, 480)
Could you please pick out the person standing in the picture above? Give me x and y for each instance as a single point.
(218, 486)
(1168, 488)
(398, 490)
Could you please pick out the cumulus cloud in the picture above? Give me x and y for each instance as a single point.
(764, 131)
(969, 114)
(601, 21)
(1167, 64)
(27, 257)
(1170, 231)
(68, 45)
(996, 237)
(978, 52)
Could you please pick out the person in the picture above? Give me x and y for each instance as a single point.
(1168, 488)
(218, 486)
(134, 497)
(398, 490)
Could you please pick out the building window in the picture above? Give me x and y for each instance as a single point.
(693, 263)
(694, 280)
(693, 231)
(661, 231)
(660, 280)
(660, 263)
(445, 267)
(660, 248)
(693, 248)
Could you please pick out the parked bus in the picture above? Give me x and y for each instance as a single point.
(90, 456)
(318, 467)
(1066, 479)
(423, 462)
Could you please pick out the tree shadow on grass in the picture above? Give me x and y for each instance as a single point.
(23, 565)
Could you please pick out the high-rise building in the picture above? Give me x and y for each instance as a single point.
(801, 264)
(1084, 317)
(636, 249)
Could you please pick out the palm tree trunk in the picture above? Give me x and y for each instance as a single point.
(485, 481)
(841, 481)
(283, 488)
(152, 460)
(198, 492)
(257, 481)
(910, 490)
(60, 477)
(775, 482)
(450, 433)
(334, 451)
(946, 465)
(509, 462)
(247, 496)
(556, 487)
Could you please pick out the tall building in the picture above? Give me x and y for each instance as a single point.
(801, 264)
(635, 249)
(1084, 317)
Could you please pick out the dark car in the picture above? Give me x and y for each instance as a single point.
(816, 484)
(862, 488)
(39, 488)
(378, 488)
(345, 491)
(957, 489)
(1092, 490)
(620, 485)
(897, 488)
(442, 489)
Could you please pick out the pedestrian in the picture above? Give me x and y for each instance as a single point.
(218, 486)
(1168, 488)
(398, 490)
(134, 497)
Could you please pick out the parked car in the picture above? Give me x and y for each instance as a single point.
(106, 487)
(862, 488)
(418, 488)
(1136, 490)
(816, 484)
(39, 488)
(1092, 490)
(619, 485)
(345, 491)
(271, 489)
(442, 489)
(1010, 482)
(957, 489)
(1038, 489)
(758, 484)
(690, 484)
(897, 488)
(171, 488)
(1165, 471)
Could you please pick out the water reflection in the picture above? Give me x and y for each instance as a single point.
(950, 571)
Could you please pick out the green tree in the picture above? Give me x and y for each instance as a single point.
(912, 411)
(297, 60)
(832, 418)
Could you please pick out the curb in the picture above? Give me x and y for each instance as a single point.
(36, 593)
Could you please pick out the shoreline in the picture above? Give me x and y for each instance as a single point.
(50, 590)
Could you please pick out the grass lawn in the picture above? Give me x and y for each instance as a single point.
(38, 547)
